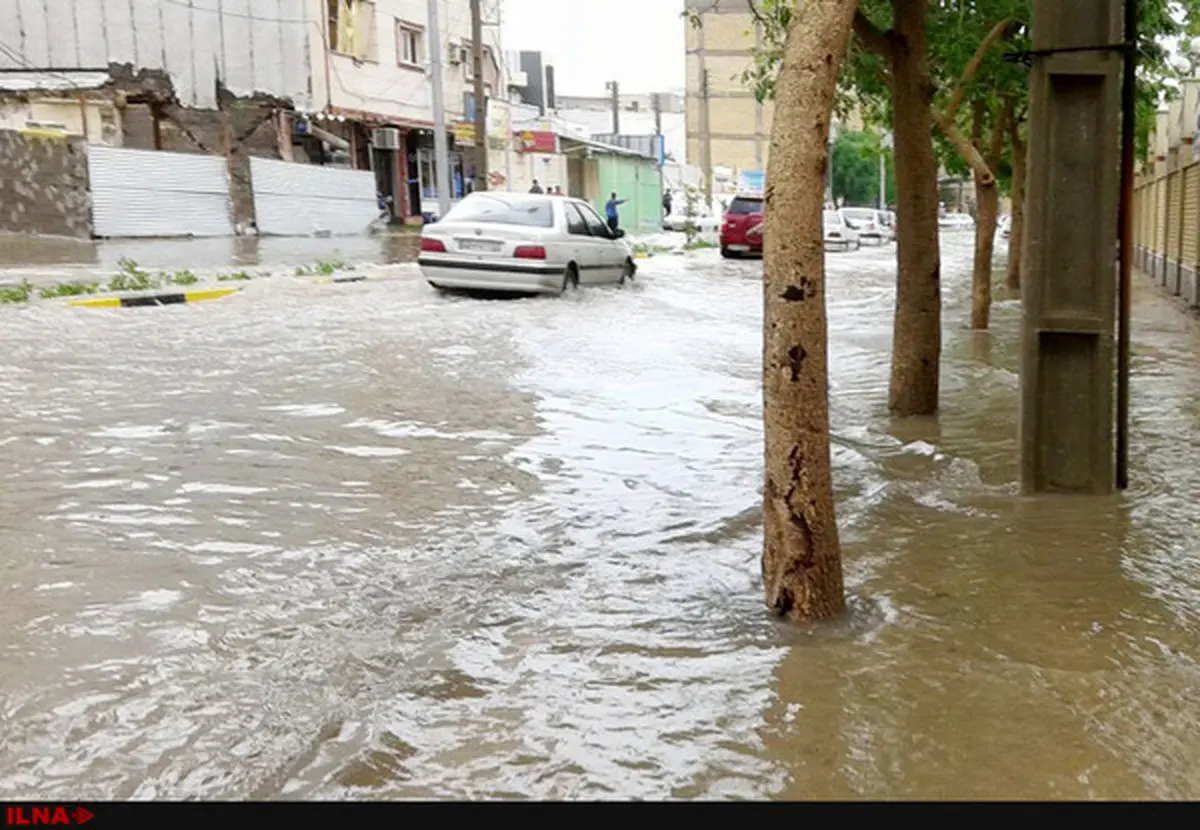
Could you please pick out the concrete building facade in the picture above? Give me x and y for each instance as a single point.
(343, 83)
(728, 130)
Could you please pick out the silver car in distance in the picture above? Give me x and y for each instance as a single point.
(523, 243)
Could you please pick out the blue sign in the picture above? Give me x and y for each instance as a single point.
(752, 180)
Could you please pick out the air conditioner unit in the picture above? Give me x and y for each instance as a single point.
(386, 138)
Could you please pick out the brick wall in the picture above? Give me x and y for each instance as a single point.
(44, 185)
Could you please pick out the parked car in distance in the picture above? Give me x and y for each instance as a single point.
(702, 220)
(956, 222)
(741, 232)
(1004, 225)
(890, 217)
(838, 232)
(870, 224)
(523, 243)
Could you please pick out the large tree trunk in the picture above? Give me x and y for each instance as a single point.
(1017, 229)
(802, 567)
(917, 332)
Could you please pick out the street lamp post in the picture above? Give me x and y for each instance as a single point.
(885, 144)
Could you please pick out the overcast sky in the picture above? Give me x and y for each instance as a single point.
(639, 43)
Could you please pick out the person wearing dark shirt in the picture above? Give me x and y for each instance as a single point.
(610, 209)
(537, 188)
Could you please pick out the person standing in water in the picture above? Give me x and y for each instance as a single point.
(610, 209)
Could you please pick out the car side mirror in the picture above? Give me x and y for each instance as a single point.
(620, 234)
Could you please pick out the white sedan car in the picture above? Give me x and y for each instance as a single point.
(702, 220)
(956, 222)
(838, 232)
(870, 223)
(523, 243)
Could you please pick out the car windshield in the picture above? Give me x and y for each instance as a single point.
(499, 209)
(745, 207)
(832, 218)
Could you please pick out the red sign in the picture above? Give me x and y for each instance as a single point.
(20, 816)
(531, 141)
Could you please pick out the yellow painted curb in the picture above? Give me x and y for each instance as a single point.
(214, 294)
(175, 298)
(107, 302)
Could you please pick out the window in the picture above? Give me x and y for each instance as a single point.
(352, 28)
(469, 62)
(498, 209)
(408, 44)
(595, 224)
(746, 207)
(576, 224)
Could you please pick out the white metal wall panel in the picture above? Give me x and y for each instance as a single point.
(147, 193)
(293, 199)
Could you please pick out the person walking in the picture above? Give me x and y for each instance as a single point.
(537, 188)
(610, 209)
(666, 203)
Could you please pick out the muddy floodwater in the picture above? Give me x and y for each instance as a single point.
(362, 541)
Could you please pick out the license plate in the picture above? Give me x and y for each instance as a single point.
(479, 245)
(739, 248)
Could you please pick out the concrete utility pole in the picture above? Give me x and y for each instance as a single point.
(1067, 360)
(441, 148)
(656, 102)
(615, 88)
(885, 144)
(706, 135)
(481, 136)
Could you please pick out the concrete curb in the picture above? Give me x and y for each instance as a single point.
(159, 299)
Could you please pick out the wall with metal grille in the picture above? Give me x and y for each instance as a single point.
(1190, 216)
(303, 199)
(148, 193)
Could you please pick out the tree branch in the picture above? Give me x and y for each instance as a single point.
(970, 154)
(998, 32)
(757, 14)
(871, 36)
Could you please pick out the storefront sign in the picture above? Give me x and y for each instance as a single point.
(464, 134)
(499, 120)
(530, 141)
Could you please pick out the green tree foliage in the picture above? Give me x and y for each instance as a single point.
(956, 28)
(856, 169)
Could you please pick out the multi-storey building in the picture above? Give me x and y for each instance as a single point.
(340, 82)
(728, 130)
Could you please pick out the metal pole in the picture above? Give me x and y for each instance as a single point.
(657, 103)
(441, 148)
(481, 136)
(616, 106)
(1128, 113)
(882, 179)
(704, 112)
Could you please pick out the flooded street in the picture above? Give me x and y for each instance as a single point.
(362, 541)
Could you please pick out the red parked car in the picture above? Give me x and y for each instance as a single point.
(742, 230)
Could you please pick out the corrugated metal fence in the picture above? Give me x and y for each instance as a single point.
(1167, 226)
(300, 199)
(146, 193)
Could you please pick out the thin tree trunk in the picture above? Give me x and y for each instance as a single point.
(987, 198)
(917, 330)
(1017, 228)
(802, 568)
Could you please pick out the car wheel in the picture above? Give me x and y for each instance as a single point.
(570, 278)
(627, 271)
(726, 253)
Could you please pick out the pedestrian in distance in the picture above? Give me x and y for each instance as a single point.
(614, 219)
(537, 188)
